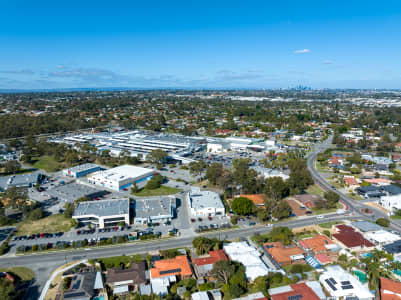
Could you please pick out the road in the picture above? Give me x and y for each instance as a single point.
(44, 263)
(355, 206)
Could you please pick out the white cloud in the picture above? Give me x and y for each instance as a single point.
(302, 51)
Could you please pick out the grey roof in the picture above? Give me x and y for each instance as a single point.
(366, 226)
(98, 281)
(19, 180)
(83, 167)
(202, 199)
(82, 286)
(153, 207)
(145, 289)
(73, 191)
(393, 248)
(102, 208)
(392, 189)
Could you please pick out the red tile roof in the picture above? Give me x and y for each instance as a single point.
(389, 289)
(323, 258)
(350, 238)
(214, 256)
(174, 266)
(297, 289)
(257, 199)
(316, 243)
(282, 254)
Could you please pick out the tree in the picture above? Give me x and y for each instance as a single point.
(155, 182)
(383, 222)
(12, 167)
(276, 188)
(214, 172)
(7, 289)
(242, 206)
(158, 156)
(36, 214)
(223, 270)
(203, 245)
(134, 188)
(332, 199)
(68, 210)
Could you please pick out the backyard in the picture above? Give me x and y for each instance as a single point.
(161, 191)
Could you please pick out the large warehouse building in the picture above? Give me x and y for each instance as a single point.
(103, 213)
(120, 177)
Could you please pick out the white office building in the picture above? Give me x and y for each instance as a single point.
(154, 210)
(120, 177)
(205, 203)
(81, 170)
(341, 284)
(103, 212)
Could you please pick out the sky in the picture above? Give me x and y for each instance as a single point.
(200, 44)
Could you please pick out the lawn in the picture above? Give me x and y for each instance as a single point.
(328, 225)
(327, 210)
(24, 273)
(394, 217)
(315, 190)
(50, 224)
(47, 163)
(161, 191)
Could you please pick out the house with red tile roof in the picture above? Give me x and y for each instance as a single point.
(203, 265)
(298, 290)
(349, 238)
(318, 243)
(178, 266)
(389, 289)
(351, 182)
(284, 255)
(378, 181)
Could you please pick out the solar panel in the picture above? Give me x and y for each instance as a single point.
(347, 287)
(332, 280)
(296, 297)
(331, 285)
(71, 295)
(170, 271)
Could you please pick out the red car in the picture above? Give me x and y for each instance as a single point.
(125, 189)
(42, 235)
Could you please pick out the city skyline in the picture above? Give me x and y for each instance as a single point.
(184, 44)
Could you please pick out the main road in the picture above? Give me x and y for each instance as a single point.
(354, 206)
(44, 263)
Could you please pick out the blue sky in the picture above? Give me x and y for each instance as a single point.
(200, 44)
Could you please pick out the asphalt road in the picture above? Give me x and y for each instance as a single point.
(354, 206)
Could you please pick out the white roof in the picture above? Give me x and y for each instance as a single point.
(123, 172)
(204, 199)
(120, 289)
(249, 257)
(343, 283)
(200, 296)
(382, 236)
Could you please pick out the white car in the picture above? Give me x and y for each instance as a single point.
(320, 217)
(269, 225)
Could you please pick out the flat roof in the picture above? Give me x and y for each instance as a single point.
(83, 167)
(160, 206)
(102, 208)
(203, 199)
(72, 191)
(124, 172)
(366, 226)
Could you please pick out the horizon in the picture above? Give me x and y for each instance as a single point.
(189, 45)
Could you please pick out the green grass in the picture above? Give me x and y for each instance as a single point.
(315, 190)
(321, 168)
(304, 236)
(161, 191)
(327, 210)
(328, 225)
(47, 163)
(50, 224)
(24, 273)
(394, 217)
(116, 261)
(355, 196)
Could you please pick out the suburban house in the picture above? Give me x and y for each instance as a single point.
(284, 255)
(125, 280)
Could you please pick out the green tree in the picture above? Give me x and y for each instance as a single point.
(158, 156)
(12, 167)
(214, 172)
(242, 206)
(223, 270)
(383, 222)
